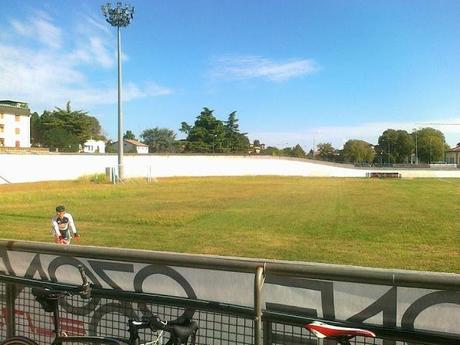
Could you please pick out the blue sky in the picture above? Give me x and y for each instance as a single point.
(296, 71)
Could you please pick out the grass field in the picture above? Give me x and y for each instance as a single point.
(408, 224)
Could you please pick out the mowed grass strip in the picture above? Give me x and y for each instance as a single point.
(407, 224)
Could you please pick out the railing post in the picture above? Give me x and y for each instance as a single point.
(267, 325)
(10, 303)
(258, 284)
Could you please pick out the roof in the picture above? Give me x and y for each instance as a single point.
(94, 141)
(134, 142)
(19, 104)
(455, 149)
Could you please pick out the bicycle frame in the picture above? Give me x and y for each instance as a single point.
(60, 338)
(180, 330)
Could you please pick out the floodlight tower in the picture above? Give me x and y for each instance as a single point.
(119, 16)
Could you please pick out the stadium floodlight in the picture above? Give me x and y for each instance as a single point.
(119, 16)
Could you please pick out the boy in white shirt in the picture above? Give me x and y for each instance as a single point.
(63, 226)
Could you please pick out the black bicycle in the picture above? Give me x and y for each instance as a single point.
(179, 331)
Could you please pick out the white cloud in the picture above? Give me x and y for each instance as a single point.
(370, 132)
(251, 67)
(94, 43)
(41, 28)
(45, 78)
(131, 91)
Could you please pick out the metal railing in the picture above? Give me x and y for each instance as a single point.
(220, 323)
(108, 313)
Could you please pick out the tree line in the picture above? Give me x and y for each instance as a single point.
(395, 146)
(67, 130)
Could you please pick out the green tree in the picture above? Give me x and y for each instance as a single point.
(35, 130)
(404, 147)
(208, 134)
(431, 145)
(270, 151)
(185, 128)
(110, 147)
(295, 151)
(326, 151)
(287, 151)
(77, 123)
(387, 142)
(397, 145)
(129, 135)
(234, 140)
(298, 151)
(159, 139)
(379, 155)
(358, 151)
(61, 139)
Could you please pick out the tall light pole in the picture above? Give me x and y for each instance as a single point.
(119, 16)
(314, 137)
(416, 152)
(389, 159)
(430, 150)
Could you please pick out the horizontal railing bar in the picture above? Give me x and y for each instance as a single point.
(138, 296)
(380, 276)
(175, 301)
(138, 256)
(392, 277)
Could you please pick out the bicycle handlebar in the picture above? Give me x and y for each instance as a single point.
(152, 322)
(180, 329)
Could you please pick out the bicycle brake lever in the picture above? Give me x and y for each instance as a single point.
(85, 289)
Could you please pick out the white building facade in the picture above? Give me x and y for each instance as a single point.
(132, 146)
(94, 146)
(14, 124)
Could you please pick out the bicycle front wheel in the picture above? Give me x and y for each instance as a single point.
(18, 341)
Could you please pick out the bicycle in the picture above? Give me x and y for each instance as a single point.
(180, 330)
(342, 335)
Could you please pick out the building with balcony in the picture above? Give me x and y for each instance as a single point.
(14, 124)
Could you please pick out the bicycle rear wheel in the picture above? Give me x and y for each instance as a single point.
(18, 341)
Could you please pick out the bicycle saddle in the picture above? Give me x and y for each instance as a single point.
(48, 293)
(47, 298)
(183, 332)
(323, 330)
